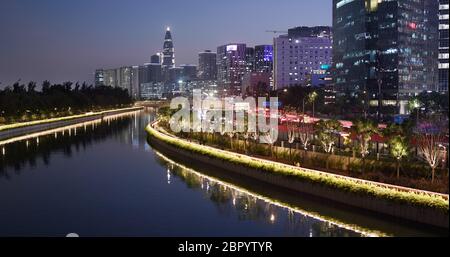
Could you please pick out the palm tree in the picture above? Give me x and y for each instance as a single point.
(399, 149)
(312, 97)
(364, 130)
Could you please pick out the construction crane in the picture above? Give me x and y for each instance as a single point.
(276, 31)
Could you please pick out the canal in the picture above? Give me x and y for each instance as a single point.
(102, 178)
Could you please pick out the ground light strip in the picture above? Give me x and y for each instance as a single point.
(56, 130)
(38, 122)
(315, 216)
(324, 174)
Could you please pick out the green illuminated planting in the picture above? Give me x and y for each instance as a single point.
(37, 122)
(338, 183)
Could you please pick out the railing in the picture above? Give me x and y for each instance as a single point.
(322, 173)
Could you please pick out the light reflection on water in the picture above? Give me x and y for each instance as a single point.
(102, 178)
(254, 206)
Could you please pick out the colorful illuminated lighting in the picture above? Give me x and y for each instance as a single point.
(412, 25)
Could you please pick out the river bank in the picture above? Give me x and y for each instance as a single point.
(413, 205)
(19, 129)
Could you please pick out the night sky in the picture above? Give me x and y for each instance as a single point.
(62, 40)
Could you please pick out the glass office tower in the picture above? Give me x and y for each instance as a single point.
(384, 52)
(443, 45)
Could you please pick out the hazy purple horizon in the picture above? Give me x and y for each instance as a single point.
(66, 41)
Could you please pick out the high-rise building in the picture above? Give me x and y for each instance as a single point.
(135, 87)
(124, 77)
(384, 51)
(168, 60)
(189, 72)
(99, 79)
(110, 78)
(263, 58)
(231, 67)
(443, 45)
(299, 53)
(317, 31)
(207, 66)
(250, 58)
(150, 81)
(156, 58)
(150, 72)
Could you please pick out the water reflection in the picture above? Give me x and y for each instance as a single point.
(102, 178)
(232, 200)
(19, 152)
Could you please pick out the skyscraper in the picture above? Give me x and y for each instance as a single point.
(231, 67)
(250, 58)
(207, 66)
(264, 61)
(264, 58)
(384, 51)
(150, 81)
(168, 51)
(299, 53)
(443, 45)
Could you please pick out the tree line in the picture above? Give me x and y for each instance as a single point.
(21, 102)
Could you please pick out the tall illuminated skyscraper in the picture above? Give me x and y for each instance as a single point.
(168, 51)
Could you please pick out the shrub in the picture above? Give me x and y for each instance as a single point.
(370, 190)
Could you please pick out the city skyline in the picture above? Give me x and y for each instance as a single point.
(89, 38)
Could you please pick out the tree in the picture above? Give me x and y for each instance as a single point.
(305, 129)
(430, 135)
(291, 126)
(364, 130)
(292, 134)
(414, 105)
(398, 149)
(21, 102)
(312, 97)
(327, 130)
(270, 138)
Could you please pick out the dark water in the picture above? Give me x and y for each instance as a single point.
(103, 179)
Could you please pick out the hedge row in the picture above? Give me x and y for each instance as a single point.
(37, 122)
(370, 190)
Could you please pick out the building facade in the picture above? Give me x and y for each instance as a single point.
(207, 65)
(263, 58)
(123, 77)
(443, 45)
(298, 54)
(384, 52)
(156, 58)
(256, 84)
(150, 81)
(231, 67)
(250, 59)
